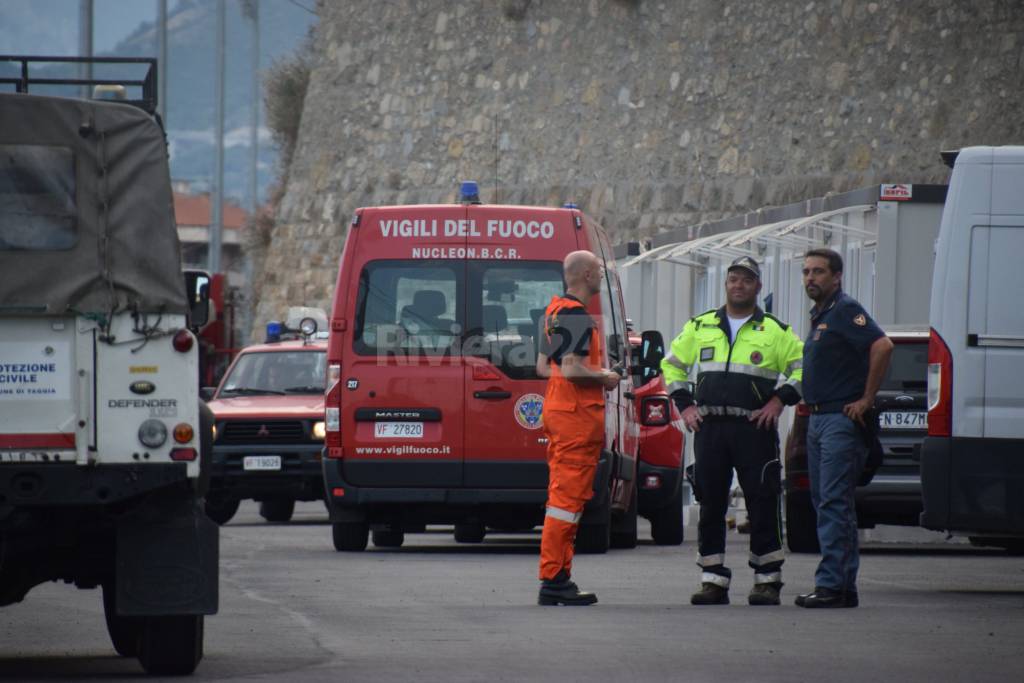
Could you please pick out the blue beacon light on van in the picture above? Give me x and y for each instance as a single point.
(273, 331)
(570, 205)
(469, 192)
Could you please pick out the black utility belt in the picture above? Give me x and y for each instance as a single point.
(829, 406)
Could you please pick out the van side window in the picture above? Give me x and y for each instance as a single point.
(506, 302)
(37, 198)
(409, 307)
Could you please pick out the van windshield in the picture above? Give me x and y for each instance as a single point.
(487, 309)
(277, 372)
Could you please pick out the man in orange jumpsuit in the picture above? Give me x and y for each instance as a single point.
(573, 423)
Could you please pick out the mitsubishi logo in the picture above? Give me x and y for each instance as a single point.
(263, 431)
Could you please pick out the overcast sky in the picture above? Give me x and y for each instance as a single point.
(50, 27)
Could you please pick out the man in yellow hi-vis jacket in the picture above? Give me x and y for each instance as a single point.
(723, 373)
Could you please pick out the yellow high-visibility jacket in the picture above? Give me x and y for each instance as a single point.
(733, 377)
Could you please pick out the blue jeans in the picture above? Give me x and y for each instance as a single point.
(835, 458)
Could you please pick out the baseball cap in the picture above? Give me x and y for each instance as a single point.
(747, 263)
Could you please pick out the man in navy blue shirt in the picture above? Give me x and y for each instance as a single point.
(846, 356)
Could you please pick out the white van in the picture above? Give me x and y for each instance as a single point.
(972, 462)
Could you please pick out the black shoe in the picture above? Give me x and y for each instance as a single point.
(710, 594)
(827, 598)
(561, 591)
(765, 594)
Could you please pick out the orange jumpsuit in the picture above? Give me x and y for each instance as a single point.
(574, 425)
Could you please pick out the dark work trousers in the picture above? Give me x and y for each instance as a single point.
(721, 445)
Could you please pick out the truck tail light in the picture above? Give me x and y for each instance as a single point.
(940, 386)
(183, 454)
(182, 341)
(183, 432)
(332, 419)
(335, 453)
(655, 411)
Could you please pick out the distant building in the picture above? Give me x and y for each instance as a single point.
(193, 215)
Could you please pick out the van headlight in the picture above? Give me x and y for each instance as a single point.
(152, 433)
(319, 430)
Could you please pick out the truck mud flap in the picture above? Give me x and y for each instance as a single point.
(167, 560)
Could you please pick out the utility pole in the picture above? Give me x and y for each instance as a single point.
(161, 63)
(85, 43)
(253, 8)
(217, 218)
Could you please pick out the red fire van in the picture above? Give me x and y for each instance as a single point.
(433, 407)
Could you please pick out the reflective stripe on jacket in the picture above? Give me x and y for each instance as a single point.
(740, 375)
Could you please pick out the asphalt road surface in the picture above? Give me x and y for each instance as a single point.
(293, 609)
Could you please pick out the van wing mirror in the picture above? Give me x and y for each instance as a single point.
(197, 289)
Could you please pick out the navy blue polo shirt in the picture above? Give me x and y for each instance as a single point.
(836, 351)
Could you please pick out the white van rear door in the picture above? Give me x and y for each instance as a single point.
(996, 327)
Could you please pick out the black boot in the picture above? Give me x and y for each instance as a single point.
(561, 591)
(710, 594)
(827, 598)
(765, 593)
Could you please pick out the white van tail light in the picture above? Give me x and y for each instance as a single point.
(940, 387)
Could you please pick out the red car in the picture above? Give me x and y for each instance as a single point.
(269, 411)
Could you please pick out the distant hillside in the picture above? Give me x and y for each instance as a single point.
(191, 106)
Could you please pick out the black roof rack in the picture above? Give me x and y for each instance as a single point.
(148, 83)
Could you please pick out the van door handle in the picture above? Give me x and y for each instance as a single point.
(492, 394)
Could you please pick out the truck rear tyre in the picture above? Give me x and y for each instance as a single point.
(388, 538)
(667, 522)
(221, 510)
(124, 631)
(801, 524)
(623, 531)
(470, 532)
(172, 645)
(277, 510)
(350, 536)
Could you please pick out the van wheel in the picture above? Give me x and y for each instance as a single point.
(350, 536)
(623, 532)
(221, 510)
(124, 631)
(667, 522)
(388, 538)
(470, 532)
(594, 538)
(277, 510)
(801, 524)
(172, 645)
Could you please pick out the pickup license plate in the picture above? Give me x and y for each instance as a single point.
(398, 430)
(261, 462)
(904, 420)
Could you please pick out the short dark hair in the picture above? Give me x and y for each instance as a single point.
(835, 261)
